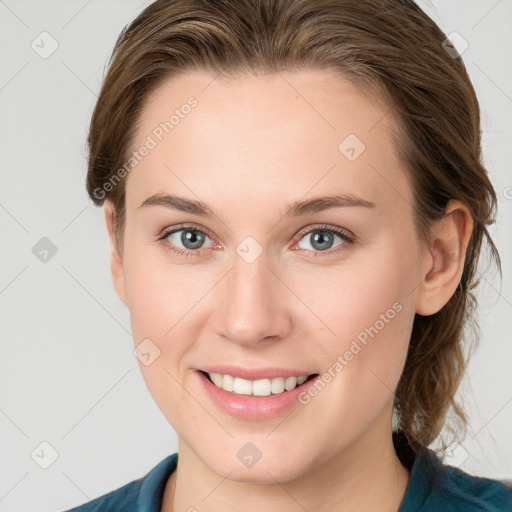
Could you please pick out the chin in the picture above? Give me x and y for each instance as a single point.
(264, 471)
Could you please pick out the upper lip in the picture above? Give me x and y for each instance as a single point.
(255, 373)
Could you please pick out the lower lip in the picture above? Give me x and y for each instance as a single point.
(254, 408)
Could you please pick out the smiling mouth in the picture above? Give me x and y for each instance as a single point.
(257, 388)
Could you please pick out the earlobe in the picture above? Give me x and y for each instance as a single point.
(446, 258)
(116, 261)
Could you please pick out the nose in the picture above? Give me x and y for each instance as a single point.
(252, 304)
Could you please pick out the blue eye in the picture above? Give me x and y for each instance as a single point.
(323, 239)
(190, 238)
(189, 241)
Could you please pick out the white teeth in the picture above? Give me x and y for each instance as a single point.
(217, 379)
(227, 382)
(277, 386)
(261, 387)
(242, 386)
(301, 379)
(290, 383)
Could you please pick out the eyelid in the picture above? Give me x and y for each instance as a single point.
(178, 227)
(326, 227)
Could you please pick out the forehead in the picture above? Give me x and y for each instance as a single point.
(255, 135)
(319, 98)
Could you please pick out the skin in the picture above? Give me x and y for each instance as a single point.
(252, 146)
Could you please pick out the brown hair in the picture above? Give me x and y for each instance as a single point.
(391, 45)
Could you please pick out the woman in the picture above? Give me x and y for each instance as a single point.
(296, 205)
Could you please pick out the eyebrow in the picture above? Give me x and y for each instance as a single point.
(295, 209)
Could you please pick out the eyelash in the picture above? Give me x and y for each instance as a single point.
(347, 238)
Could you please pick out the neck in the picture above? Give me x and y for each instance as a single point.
(366, 477)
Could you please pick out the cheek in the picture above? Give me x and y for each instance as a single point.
(164, 301)
(159, 292)
(167, 306)
(363, 361)
(364, 313)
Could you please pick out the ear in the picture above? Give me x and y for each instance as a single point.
(116, 261)
(445, 259)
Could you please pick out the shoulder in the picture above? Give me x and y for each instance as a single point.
(123, 498)
(473, 493)
(142, 494)
(435, 486)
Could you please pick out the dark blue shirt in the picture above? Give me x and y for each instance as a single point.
(433, 487)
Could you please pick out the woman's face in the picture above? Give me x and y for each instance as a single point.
(270, 278)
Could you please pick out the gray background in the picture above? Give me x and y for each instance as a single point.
(67, 373)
